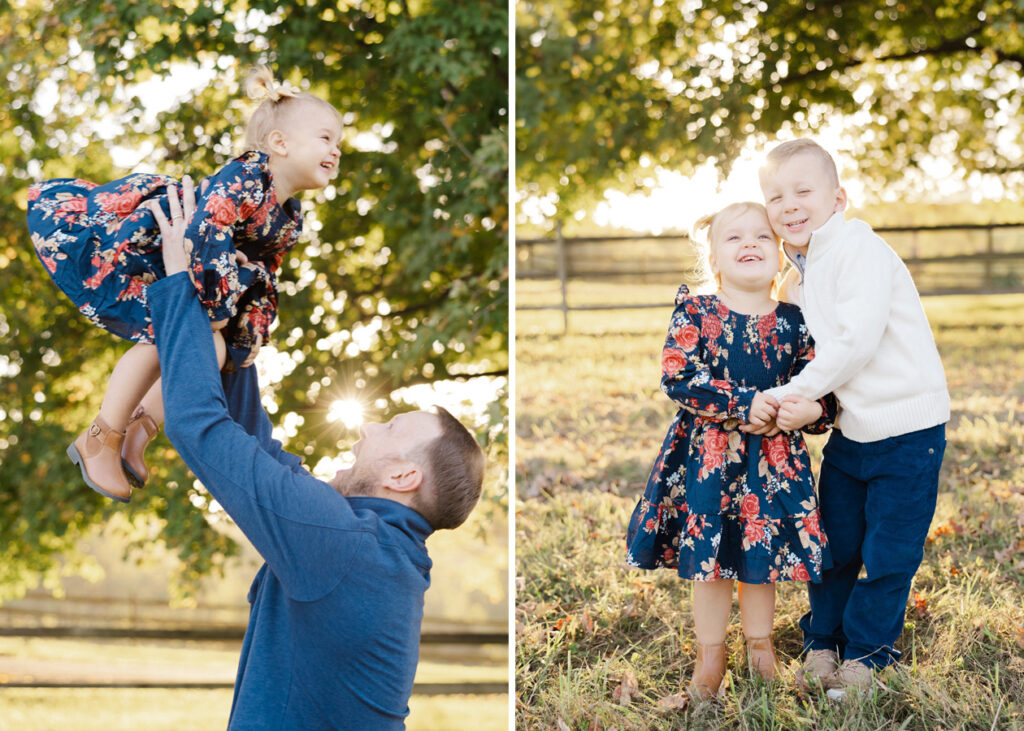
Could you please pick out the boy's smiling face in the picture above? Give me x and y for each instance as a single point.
(800, 196)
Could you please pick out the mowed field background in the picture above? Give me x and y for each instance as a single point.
(598, 644)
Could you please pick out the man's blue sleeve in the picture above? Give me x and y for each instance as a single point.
(303, 528)
(241, 388)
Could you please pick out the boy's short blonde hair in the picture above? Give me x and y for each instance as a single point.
(781, 153)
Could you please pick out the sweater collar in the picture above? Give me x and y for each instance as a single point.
(826, 236)
(399, 516)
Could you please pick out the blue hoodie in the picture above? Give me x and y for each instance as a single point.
(334, 624)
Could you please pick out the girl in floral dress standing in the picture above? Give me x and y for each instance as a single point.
(722, 504)
(101, 245)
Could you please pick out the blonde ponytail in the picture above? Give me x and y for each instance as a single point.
(259, 84)
(276, 102)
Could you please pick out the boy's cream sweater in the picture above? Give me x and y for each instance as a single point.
(873, 347)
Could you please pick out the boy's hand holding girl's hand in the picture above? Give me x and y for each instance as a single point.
(768, 417)
(796, 412)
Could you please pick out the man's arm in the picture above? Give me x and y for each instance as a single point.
(302, 527)
(242, 391)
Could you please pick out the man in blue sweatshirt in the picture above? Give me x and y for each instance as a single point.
(334, 624)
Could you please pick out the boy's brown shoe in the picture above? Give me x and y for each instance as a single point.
(97, 452)
(818, 665)
(850, 678)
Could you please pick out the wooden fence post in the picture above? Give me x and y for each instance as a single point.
(560, 250)
(989, 251)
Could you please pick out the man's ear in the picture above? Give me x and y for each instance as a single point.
(403, 477)
(277, 142)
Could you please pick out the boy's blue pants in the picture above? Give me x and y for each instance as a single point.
(877, 500)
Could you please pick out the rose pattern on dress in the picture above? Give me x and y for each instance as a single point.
(101, 246)
(720, 503)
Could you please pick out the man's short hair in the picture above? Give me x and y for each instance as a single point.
(783, 152)
(455, 472)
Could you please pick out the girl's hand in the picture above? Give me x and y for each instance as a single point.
(175, 248)
(762, 416)
(762, 410)
(796, 412)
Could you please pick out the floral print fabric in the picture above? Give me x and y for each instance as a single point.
(101, 246)
(720, 503)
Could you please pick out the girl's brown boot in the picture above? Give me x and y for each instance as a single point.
(140, 432)
(761, 657)
(708, 672)
(97, 452)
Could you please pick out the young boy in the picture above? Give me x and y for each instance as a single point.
(880, 469)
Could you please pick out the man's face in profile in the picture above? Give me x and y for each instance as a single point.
(384, 447)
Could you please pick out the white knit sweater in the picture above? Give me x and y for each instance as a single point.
(873, 347)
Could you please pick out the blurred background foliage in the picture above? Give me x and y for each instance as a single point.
(400, 279)
(608, 91)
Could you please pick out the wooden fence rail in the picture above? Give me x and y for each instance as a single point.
(76, 677)
(418, 688)
(229, 634)
(944, 259)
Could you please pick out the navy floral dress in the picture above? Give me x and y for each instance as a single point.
(720, 503)
(102, 247)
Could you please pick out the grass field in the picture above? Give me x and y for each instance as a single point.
(174, 709)
(130, 709)
(589, 422)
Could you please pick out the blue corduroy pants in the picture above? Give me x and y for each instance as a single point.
(877, 501)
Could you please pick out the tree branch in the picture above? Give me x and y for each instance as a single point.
(420, 379)
(1001, 169)
(947, 47)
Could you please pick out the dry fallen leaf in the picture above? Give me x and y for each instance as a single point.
(562, 725)
(1004, 555)
(1018, 631)
(626, 688)
(674, 702)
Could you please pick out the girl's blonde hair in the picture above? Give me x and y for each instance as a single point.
(279, 101)
(707, 228)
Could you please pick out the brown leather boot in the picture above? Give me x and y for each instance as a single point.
(140, 432)
(97, 452)
(761, 657)
(708, 672)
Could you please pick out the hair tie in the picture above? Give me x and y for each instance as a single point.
(260, 85)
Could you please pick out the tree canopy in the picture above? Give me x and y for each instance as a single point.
(400, 277)
(605, 90)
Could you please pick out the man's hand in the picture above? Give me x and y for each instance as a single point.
(175, 248)
(796, 412)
